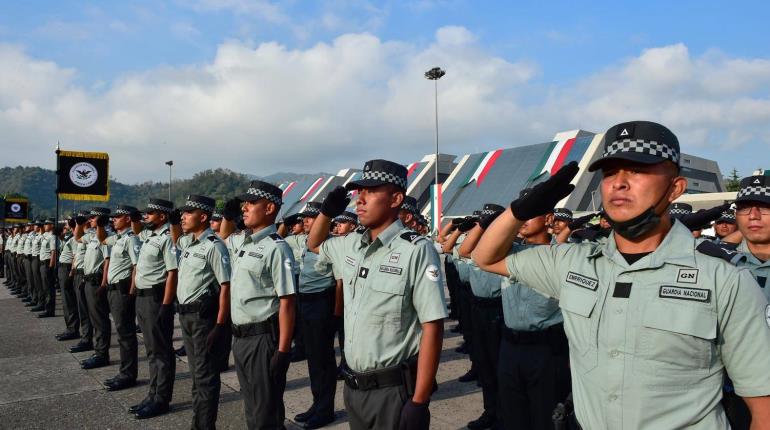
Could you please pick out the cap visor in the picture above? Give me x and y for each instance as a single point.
(634, 157)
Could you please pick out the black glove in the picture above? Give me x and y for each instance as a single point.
(232, 209)
(174, 217)
(71, 222)
(335, 202)
(697, 220)
(457, 221)
(136, 216)
(543, 197)
(468, 223)
(291, 220)
(80, 220)
(165, 313)
(102, 220)
(279, 364)
(414, 416)
(211, 340)
(580, 222)
(486, 220)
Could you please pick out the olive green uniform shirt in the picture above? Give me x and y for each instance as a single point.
(758, 268)
(80, 252)
(204, 265)
(37, 240)
(47, 245)
(524, 309)
(95, 253)
(124, 250)
(157, 256)
(26, 240)
(391, 285)
(297, 243)
(67, 254)
(263, 271)
(484, 284)
(657, 359)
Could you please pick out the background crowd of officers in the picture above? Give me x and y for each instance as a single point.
(626, 318)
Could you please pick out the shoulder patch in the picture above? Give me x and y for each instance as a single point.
(411, 236)
(276, 237)
(724, 252)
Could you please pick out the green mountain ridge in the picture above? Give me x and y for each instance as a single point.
(38, 185)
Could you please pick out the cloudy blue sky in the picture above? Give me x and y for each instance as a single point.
(267, 86)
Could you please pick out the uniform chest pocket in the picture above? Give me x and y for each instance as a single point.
(195, 262)
(676, 343)
(581, 325)
(385, 303)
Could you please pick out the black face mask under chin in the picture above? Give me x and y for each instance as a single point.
(640, 224)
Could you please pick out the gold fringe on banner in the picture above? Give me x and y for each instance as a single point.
(89, 197)
(81, 154)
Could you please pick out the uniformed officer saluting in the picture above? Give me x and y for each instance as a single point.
(155, 279)
(124, 249)
(203, 292)
(394, 303)
(652, 324)
(262, 306)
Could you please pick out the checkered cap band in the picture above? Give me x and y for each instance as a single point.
(121, 212)
(486, 212)
(728, 216)
(261, 194)
(344, 218)
(310, 211)
(154, 207)
(97, 213)
(754, 191)
(560, 214)
(201, 206)
(678, 211)
(641, 146)
(216, 216)
(409, 207)
(385, 177)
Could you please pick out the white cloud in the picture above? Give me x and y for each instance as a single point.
(268, 108)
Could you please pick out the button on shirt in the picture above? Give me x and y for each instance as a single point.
(204, 264)
(95, 253)
(157, 256)
(657, 358)
(263, 271)
(760, 270)
(124, 249)
(391, 286)
(524, 309)
(67, 254)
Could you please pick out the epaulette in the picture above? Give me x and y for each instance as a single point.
(411, 236)
(213, 238)
(360, 229)
(276, 237)
(715, 250)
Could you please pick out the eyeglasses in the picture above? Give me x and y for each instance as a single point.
(745, 210)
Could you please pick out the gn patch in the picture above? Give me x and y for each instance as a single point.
(687, 276)
(582, 281)
(684, 293)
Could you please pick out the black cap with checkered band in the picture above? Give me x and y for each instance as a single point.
(727, 216)
(642, 142)
(563, 214)
(380, 172)
(262, 190)
(158, 205)
(121, 210)
(754, 189)
(206, 204)
(347, 216)
(311, 210)
(491, 208)
(410, 204)
(99, 211)
(680, 209)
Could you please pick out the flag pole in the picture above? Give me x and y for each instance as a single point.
(56, 220)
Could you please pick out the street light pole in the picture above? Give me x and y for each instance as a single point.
(434, 75)
(169, 163)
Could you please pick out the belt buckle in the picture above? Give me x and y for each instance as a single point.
(350, 379)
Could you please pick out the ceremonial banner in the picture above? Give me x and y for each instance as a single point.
(435, 207)
(16, 209)
(83, 175)
(556, 154)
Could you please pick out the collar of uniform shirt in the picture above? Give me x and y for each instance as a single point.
(743, 248)
(261, 234)
(160, 230)
(678, 248)
(206, 233)
(385, 237)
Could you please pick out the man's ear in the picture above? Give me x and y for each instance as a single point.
(397, 200)
(679, 186)
(271, 208)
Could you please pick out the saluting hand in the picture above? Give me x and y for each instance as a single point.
(544, 196)
(335, 202)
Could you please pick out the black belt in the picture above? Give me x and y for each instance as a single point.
(93, 277)
(79, 272)
(311, 297)
(539, 337)
(157, 289)
(189, 308)
(119, 284)
(393, 376)
(488, 302)
(257, 328)
(65, 264)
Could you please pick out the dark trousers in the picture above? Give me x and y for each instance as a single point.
(317, 322)
(530, 376)
(86, 328)
(123, 310)
(21, 262)
(374, 409)
(69, 298)
(99, 312)
(30, 279)
(262, 391)
(158, 344)
(48, 282)
(204, 366)
(37, 281)
(486, 320)
(465, 308)
(452, 283)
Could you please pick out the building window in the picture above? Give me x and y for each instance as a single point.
(695, 184)
(686, 160)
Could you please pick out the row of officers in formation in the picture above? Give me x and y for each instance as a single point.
(639, 321)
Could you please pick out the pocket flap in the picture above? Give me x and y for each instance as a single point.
(681, 319)
(393, 287)
(577, 300)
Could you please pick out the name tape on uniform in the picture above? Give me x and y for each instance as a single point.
(684, 293)
(390, 269)
(582, 281)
